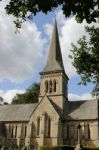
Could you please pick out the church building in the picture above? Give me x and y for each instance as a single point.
(54, 120)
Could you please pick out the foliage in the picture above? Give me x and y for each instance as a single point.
(27, 9)
(85, 57)
(30, 96)
(90, 148)
(63, 147)
(1, 99)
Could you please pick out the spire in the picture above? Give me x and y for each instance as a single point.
(54, 60)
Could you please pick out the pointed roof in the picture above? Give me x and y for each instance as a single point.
(18, 112)
(54, 60)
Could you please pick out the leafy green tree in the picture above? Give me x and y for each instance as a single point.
(30, 96)
(85, 58)
(27, 9)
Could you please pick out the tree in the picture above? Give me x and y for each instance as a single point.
(27, 9)
(85, 57)
(1, 100)
(30, 96)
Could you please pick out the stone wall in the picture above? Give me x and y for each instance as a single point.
(44, 108)
(88, 133)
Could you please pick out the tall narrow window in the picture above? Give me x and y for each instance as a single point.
(49, 126)
(67, 131)
(54, 85)
(46, 86)
(12, 130)
(47, 131)
(15, 131)
(50, 86)
(45, 126)
(38, 126)
(88, 128)
(25, 130)
(9, 130)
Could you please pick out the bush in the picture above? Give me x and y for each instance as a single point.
(64, 147)
(86, 148)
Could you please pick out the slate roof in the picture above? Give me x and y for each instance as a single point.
(81, 110)
(74, 110)
(54, 61)
(20, 112)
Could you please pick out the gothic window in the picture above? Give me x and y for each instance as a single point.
(46, 86)
(64, 132)
(38, 126)
(25, 130)
(33, 130)
(67, 131)
(9, 130)
(15, 131)
(12, 131)
(88, 128)
(3, 132)
(76, 132)
(87, 131)
(54, 86)
(47, 131)
(72, 131)
(50, 86)
(49, 126)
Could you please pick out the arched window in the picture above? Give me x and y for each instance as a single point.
(46, 86)
(49, 126)
(50, 86)
(15, 131)
(88, 128)
(47, 131)
(67, 131)
(54, 86)
(38, 126)
(12, 130)
(9, 130)
(25, 130)
(45, 125)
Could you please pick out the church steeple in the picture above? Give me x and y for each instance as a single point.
(54, 81)
(54, 61)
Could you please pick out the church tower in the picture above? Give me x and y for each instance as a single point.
(54, 81)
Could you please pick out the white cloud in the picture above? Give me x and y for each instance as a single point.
(85, 96)
(48, 30)
(9, 94)
(70, 31)
(20, 54)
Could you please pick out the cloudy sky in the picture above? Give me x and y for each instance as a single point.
(23, 55)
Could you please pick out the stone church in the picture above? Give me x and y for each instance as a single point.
(54, 120)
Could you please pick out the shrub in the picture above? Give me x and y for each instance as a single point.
(87, 148)
(63, 147)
